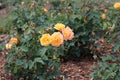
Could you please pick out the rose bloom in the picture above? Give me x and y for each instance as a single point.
(45, 40)
(8, 45)
(59, 26)
(45, 10)
(103, 16)
(67, 33)
(57, 39)
(117, 5)
(14, 40)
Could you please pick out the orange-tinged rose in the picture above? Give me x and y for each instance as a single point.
(103, 16)
(8, 45)
(14, 40)
(59, 26)
(117, 5)
(45, 40)
(67, 33)
(57, 39)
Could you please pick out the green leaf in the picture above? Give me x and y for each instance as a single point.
(39, 60)
(116, 47)
(45, 57)
(41, 52)
(56, 65)
(31, 64)
(25, 64)
(19, 62)
(71, 44)
(9, 58)
(41, 78)
(15, 70)
(2, 47)
(24, 48)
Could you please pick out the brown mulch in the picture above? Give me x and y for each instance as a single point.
(3, 75)
(77, 70)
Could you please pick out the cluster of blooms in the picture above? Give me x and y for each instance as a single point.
(11, 42)
(116, 6)
(57, 38)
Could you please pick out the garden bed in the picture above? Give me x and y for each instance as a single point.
(40, 41)
(74, 69)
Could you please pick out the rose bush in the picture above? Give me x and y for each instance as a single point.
(50, 30)
(114, 29)
(107, 69)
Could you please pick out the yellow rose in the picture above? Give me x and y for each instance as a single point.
(45, 10)
(57, 39)
(117, 5)
(103, 16)
(45, 40)
(14, 40)
(59, 26)
(67, 33)
(8, 46)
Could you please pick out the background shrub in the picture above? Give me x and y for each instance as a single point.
(107, 69)
(108, 66)
(6, 23)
